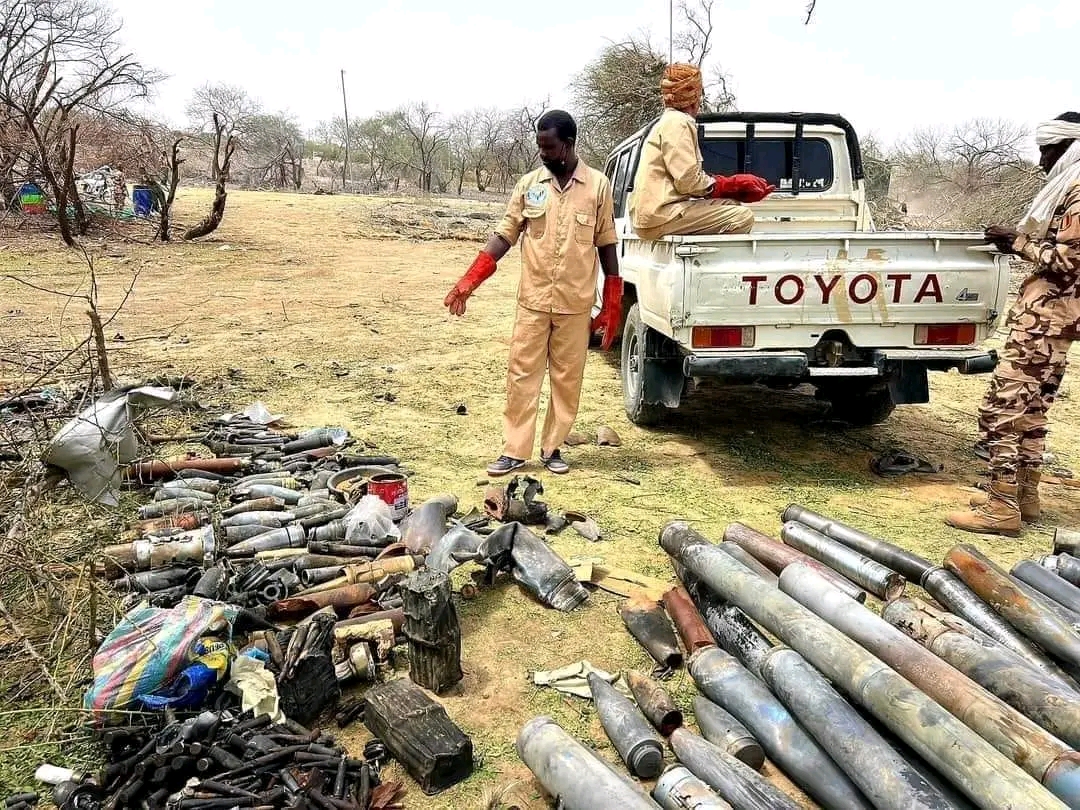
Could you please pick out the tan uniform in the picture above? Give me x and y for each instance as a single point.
(1043, 323)
(669, 177)
(560, 230)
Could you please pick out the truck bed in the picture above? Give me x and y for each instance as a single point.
(875, 287)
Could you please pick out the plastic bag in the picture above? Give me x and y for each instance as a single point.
(190, 688)
(150, 647)
(370, 522)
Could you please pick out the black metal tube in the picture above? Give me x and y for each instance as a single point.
(910, 566)
(1048, 583)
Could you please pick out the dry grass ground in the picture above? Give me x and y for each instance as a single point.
(324, 312)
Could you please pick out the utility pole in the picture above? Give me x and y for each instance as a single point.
(671, 32)
(345, 104)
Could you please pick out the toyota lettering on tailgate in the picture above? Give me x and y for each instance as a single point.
(860, 289)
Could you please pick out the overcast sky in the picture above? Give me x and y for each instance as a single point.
(887, 66)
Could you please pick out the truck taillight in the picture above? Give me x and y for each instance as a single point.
(722, 337)
(945, 334)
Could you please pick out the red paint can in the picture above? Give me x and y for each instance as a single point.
(393, 489)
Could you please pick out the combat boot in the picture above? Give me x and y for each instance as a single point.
(999, 515)
(1027, 494)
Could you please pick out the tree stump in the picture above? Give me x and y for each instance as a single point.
(431, 627)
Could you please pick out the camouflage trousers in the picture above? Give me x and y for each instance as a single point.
(1012, 417)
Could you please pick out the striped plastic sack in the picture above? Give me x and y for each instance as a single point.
(149, 647)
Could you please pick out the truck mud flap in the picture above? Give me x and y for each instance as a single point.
(908, 384)
(663, 381)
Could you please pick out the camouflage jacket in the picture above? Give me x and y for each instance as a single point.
(1049, 299)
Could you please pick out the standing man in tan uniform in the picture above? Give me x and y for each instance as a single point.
(1043, 323)
(672, 193)
(563, 214)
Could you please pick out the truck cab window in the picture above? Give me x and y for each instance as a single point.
(772, 159)
(621, 181)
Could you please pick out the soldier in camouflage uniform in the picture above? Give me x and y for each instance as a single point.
(1043, 323)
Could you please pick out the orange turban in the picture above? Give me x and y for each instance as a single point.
(681, 87)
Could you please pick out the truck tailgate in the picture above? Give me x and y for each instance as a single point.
(833, 279)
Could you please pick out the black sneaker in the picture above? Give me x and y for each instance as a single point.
(555, 463)
(504, 465)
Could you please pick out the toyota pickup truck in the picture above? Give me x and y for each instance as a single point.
(814, 295)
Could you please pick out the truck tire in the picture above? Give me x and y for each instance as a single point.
(633, 372)
(858, 405)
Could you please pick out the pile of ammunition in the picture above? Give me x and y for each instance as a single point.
(968, 700)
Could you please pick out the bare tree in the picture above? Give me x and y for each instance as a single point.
(221, 111)
(60, 59)
(425, 137)
(968, 176)
(619, 92)
(274, 146)
(224, 147)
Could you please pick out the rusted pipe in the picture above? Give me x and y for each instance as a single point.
(776, 556)
(655, 703)
(341, 599)
(147, 471)
(983, 772)
(694, 633)
(910, 566)
(951, 593)
(1019, 604)
(1037, 694)
(967, 760)
(882, 582)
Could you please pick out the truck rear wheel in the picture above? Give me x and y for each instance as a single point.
(858, 405)
(633, 372)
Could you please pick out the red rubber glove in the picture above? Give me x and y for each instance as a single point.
(482, 268)
(741, 187)
(610, 317)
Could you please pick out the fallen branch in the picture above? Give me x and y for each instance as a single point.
(31, 650)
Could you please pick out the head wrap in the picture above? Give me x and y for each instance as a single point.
(1055, 132)
(681, 87)
(1064, 174)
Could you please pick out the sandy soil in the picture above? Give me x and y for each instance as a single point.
(329, 309)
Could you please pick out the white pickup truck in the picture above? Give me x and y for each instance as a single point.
(813, 295)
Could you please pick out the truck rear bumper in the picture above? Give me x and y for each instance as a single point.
(759, 365)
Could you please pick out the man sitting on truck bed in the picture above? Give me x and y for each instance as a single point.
(670, 173)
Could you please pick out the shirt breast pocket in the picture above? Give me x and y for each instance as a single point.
(584, 227)
(535, 221)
